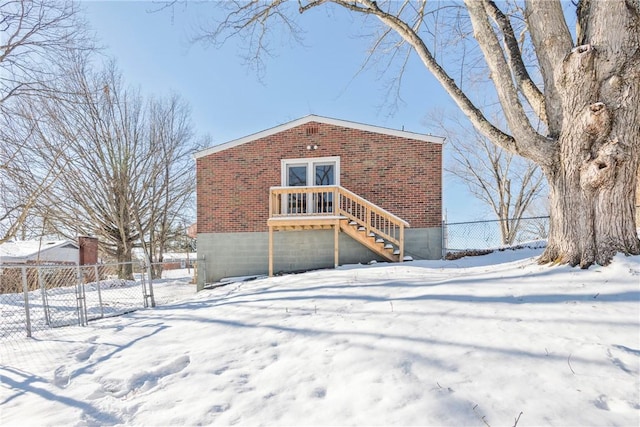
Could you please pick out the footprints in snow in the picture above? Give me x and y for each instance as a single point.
(606, 403)
(139, 382)
(85, 354)
(143, 381)
(622, 353)
(319, 392)
(61, 377)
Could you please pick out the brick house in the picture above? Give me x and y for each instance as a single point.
(314, 193)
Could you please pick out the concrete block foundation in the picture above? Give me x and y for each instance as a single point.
(224, 255)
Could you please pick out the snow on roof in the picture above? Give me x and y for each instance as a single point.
(318, 119)
(25, 249)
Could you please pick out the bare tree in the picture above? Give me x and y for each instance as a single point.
(101, 125)
(168, 182)
(120, 159)
(503, 181)
(574, 111)
(26, 171)
(37, 38)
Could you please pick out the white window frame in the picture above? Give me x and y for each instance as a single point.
(310, 162)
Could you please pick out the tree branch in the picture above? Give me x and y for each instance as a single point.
(552, 42)
(413, 39)
(528, 143)
(519, 70)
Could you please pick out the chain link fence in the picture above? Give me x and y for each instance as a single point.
(35, 298)
(484, 236)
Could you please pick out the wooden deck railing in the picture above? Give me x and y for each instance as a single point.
(292, 202)
(302, 201)
(375, 219)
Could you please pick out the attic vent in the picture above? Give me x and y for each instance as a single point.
(312, 130)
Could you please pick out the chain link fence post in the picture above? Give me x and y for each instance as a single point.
(146, 278)
(144, 266)
(25, 288)
(45, 303)
(150, 275)
(97, 285)
(443, 248)
(81, 298)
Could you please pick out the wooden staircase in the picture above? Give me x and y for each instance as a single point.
(303, 208)
(374, 243)
(375, 228)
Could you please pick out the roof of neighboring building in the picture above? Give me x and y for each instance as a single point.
(318, 119)
(27, 249)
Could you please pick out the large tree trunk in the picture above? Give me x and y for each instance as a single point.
(593, 183)
(125, 257)
(591, 225)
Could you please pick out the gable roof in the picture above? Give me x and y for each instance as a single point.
(21, 251)
(318, 119)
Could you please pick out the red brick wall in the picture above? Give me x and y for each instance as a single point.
(88, 251)
(398, 174)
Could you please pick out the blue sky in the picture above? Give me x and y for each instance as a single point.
(229, 100)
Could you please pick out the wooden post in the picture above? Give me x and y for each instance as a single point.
(270, 251)
(401, 243)
(336, 240)
(367, 219)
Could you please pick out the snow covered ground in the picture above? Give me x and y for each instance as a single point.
(109, 297)
(479, 341)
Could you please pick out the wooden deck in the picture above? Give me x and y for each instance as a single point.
(334, 207)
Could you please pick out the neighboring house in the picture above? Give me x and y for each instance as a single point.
(314, 193)
(39, 252)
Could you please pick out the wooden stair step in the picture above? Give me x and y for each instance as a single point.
(369, 242)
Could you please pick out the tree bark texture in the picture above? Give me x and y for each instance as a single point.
(124, 255)
(593, 180)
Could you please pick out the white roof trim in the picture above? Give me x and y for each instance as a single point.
(319, 119)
